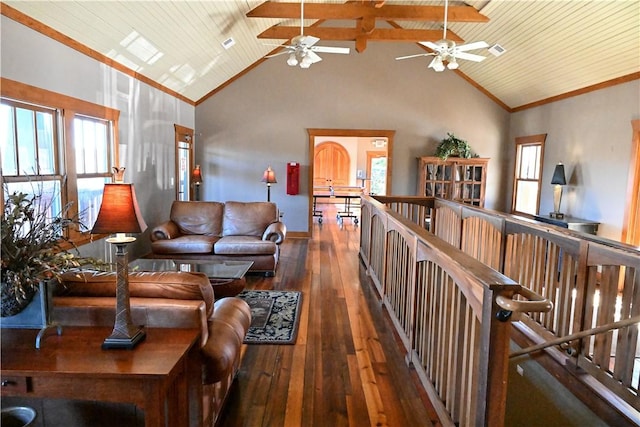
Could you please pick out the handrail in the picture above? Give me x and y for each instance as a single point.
(590, 281)
(535, 303)
(442, 303)
(582, 334)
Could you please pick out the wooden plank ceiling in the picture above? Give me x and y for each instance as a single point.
(552, 46)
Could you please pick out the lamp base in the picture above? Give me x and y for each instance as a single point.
(558, 215)
(126, 343)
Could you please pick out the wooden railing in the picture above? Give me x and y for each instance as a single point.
(591, 281)
(445, 307)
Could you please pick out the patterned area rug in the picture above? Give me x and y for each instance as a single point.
(274, 316)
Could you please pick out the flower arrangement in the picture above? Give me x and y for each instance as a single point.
(452, 146)
(31, 249)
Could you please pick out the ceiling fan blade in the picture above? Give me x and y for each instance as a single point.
(278, 54)
(414, 56)
(329, 49)
(431, 45)
(472, 46)
(313, 57)
(469, 56)
(308, 41)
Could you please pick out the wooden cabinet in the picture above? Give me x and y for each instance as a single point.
(459, 179)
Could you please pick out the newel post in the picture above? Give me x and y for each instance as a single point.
(494, 360)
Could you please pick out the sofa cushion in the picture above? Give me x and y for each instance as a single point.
(248, 219)
(244, 245)
(189, 244)
(198, 217)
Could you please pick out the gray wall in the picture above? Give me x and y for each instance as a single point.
(147, 115)
(261, 120)
(591, 134)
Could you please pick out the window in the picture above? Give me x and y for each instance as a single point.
(528, 174)
(60, 147)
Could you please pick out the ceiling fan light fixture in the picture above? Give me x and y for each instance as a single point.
(305, 62)
(453, 64)
(292, 60)
(437, 64)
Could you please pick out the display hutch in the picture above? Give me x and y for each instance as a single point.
(459, 179)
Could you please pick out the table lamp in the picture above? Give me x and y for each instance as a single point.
(120, 214)
(196, 177)
(558, 180)
(270, 178)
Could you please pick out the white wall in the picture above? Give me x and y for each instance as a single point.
(147, 115)
(261, 119)
(591, 134)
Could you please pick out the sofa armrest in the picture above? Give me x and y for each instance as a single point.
(276, 232)
(165, 231)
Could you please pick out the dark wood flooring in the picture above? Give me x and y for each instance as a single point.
(345, 368)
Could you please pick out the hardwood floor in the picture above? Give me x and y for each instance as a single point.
(345, 368)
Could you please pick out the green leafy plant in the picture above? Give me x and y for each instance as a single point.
(32, 248)
(453, 146)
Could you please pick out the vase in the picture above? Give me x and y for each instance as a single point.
(13, 302)
(34, 314)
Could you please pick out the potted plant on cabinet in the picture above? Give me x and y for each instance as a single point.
(31, 249)
(453, 146)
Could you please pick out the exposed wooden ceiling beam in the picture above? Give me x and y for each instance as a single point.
(271, 9)
(352, 34)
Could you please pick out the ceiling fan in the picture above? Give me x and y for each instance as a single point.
(302, 50)
(447, 50)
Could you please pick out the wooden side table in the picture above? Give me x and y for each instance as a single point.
(158, 372)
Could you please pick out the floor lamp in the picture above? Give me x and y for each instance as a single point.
(120, 214)
(269, 177)
(196, 177)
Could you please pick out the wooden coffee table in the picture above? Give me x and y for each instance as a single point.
(226, 276)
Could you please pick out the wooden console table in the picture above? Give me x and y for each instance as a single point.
(158, 372)
(571, 223)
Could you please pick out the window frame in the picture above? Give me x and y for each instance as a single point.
(529, 141)
(67, 108)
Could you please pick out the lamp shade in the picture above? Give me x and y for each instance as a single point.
(269, 176)
(196, 177)
(119, 211)
(558, 175)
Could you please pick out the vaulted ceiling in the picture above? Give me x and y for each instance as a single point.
(553, 47)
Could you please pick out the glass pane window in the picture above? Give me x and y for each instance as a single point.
(8, 140)
(379, 175)
(49, 201)
(28, 140)
(91, 140)
(37, 157)
(528, 171)
(89, 200)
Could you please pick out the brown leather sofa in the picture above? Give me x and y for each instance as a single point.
(166, 300)
(227, 231)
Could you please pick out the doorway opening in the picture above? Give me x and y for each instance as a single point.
(366, 164)
(184, 162)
